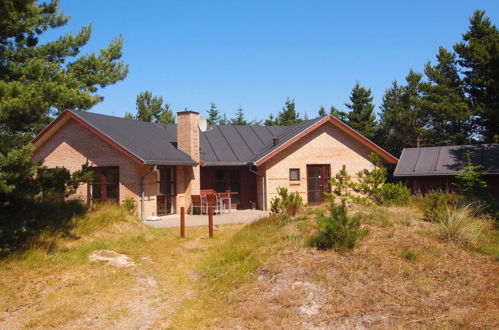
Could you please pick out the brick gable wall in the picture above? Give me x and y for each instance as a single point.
(325, 145)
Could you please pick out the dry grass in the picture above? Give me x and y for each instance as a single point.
(259, 276)
(459, 225)
(57, 288)
(376, 285)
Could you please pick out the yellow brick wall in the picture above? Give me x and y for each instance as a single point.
(73, 145)
(325, 145)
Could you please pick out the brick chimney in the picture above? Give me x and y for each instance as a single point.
(188, 141)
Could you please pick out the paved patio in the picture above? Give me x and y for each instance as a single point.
(237, 216)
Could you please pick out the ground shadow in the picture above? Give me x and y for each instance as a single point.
(22, 223)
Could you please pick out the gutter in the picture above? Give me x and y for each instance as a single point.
(264, 193)
(142, 194)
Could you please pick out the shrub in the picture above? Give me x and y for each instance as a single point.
(370, 182)
(130, 205)
(394, 193)
(436, 203)
(340, 183)
(337, 230)
(457, 225)
(26, 221)
(409, 254)
(470, 182)
(286, 204)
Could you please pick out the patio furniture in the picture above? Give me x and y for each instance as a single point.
(212, 202)
(205, 192)
(197, 202)
(225, 200)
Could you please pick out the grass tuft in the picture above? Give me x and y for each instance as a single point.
(458, 225)
(409, 254)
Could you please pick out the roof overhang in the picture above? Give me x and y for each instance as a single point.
(67, 115)
(169, 163)
(208, 164)
(389, 158)
(54, 126)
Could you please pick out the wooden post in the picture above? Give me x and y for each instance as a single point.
(210, 221)
(182, 222)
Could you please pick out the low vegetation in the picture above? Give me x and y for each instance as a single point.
(337, 230)
(286, 204)
(427, 262)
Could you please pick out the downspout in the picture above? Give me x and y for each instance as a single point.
(142, 194)
(264, 194)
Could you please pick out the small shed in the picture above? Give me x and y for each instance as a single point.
(436, 167)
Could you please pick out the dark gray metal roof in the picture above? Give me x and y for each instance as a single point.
(446, 160)
(220, 145)
(235, 144)
(152, 143)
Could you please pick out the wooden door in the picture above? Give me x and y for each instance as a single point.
(317, 183)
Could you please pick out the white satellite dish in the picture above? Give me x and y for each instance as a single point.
(202, 124)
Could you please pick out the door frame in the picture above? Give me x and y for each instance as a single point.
(323, 184)
(167, 197)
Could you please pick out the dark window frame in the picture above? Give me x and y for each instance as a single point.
(166, 200)
(103, 185)
(298, 172)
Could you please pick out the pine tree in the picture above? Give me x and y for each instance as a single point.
(361, 116)
(479, 57)
(335, 112)
(53, 76)
(213, 115)
(224, 120)
(166, 116)
(444, 103)
(239, 120)
(322, 112)
(271, 121)
(402, 124)
(150, 108)
(288, 115)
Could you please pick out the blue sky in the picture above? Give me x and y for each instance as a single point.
(257, 53)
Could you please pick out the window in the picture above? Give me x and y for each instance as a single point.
(104, 186)
(167, 181)
(166, 197)
(294, 174)
(220, 183)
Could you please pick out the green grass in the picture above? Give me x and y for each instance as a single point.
(409, 254)
(233, 263)
(199, 278)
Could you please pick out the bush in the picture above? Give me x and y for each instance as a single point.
(24, 222)
(457, 225)
(436, 203)
(370, 182)
(286, 204)
(130, 205)
(337, 231)
(470, 182)
(394, 193)
(340, 183)
(409, 254)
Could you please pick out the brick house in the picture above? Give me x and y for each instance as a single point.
(162, 165)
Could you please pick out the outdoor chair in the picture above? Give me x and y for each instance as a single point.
(225, 202)
(212, 203)
(197, 202)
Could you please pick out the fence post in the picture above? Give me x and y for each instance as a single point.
(210, 222)
(182, 222)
